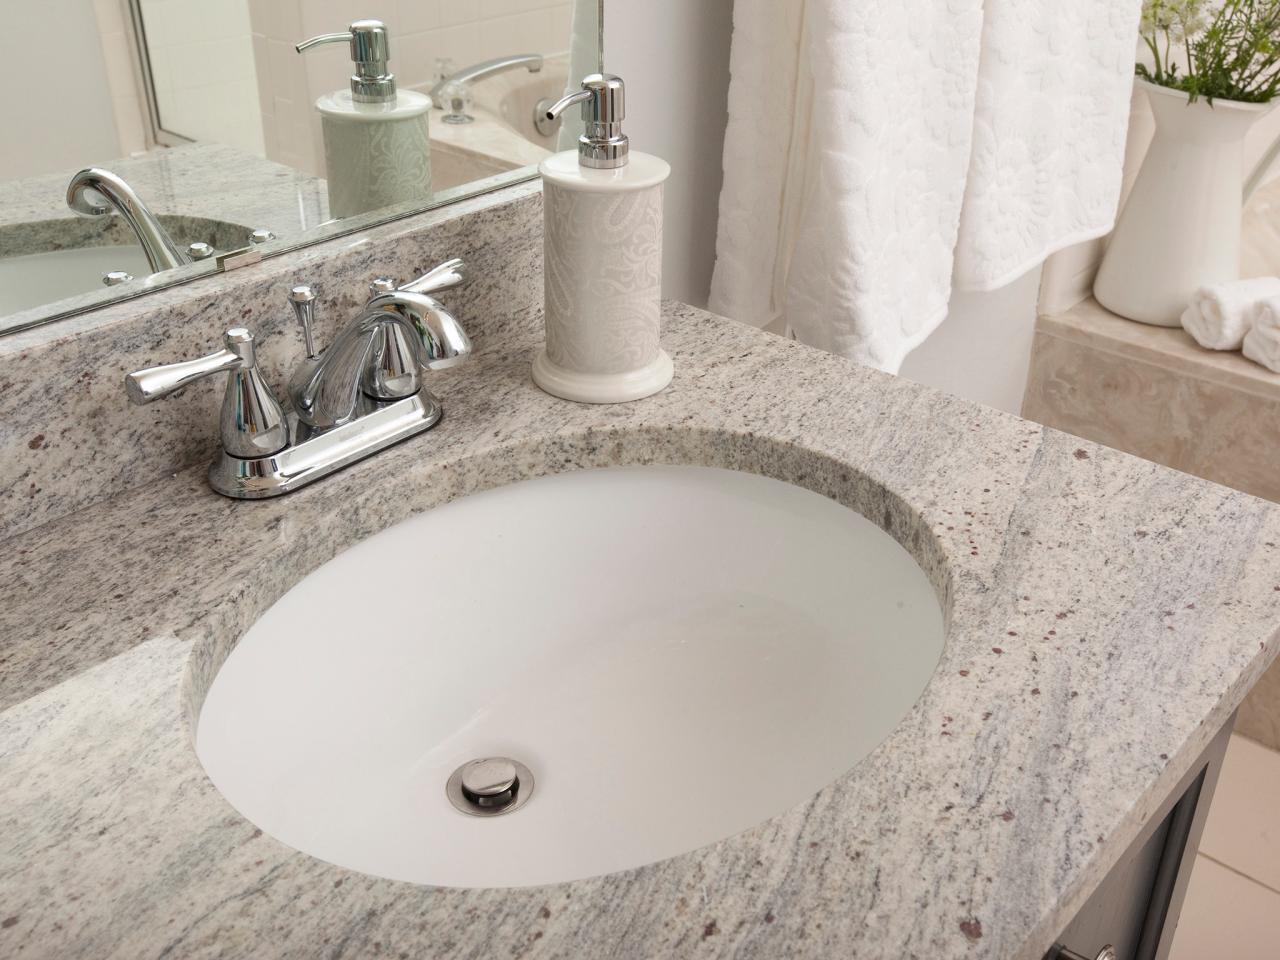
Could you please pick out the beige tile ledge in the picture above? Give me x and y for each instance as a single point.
(1092, 325)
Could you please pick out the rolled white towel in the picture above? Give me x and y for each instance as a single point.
(1262, 342)
(1219, 316)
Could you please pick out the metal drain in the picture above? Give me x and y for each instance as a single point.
(490, 787)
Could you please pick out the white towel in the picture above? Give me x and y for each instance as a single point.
(1219, 316)
(1051, 120)
(868, 175)
(1262, 342)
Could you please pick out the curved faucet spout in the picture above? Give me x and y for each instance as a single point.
(327, 393)
(482, 71)
(94, 192)
(440, 339)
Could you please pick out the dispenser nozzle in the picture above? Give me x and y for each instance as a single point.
(602, 145)
(370, 50)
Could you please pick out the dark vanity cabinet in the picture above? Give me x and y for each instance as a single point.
(1134, 911)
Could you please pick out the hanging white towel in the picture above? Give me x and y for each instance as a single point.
(1262, 342)
(1052, 114)
(1219, 316)
(894, 83)
(875, 162)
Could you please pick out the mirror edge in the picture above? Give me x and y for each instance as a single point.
(343, 228)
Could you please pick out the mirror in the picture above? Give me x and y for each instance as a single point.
(199, 131)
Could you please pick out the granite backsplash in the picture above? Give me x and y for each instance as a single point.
(68, 435)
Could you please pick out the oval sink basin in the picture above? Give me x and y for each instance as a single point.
(675, 653)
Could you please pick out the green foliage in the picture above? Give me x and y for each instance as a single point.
(1231, 52)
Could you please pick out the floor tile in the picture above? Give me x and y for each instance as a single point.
(1226, 917)
(1243, 828)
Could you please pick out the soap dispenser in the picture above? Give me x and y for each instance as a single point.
(602, 238)
(376, 149)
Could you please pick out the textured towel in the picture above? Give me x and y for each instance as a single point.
(1262, 342)
(1219, 316)
(1049, 130)
(845, 155)
(841, 205)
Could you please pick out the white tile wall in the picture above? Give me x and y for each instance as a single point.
(422, 31)
(204, 71)
(127, 102)
(71, 120)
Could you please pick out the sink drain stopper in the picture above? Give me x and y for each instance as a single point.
(490, 786)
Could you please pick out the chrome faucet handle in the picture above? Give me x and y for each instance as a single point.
(303, 300)
(443, 276)
(391, 370)
(252, 423)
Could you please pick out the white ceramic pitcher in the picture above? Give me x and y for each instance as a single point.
(1180, 229)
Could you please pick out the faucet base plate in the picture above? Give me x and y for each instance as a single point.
(312, 456)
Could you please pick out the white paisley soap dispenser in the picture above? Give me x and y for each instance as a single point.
(602, 237)
(376, 148)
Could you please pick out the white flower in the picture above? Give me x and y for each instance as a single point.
(1181, 19)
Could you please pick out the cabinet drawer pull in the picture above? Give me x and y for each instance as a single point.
(1059, 952)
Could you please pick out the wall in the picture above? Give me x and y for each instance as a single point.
(124, 79)
(983, 349)
(674, 56)
(70, 115)
(203, 71)
(422, 31)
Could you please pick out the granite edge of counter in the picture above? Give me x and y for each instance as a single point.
(724, 375)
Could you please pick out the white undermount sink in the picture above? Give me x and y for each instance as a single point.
(675, 653)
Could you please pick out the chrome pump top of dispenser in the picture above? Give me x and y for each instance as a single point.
(372, 82)
(603, 145)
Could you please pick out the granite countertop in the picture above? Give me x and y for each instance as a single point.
(1104, 617)
(202, 182)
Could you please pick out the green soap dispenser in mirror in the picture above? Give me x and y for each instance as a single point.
(376, 148)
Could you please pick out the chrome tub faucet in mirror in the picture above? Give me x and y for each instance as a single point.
(94, 192)
(453, 93)
(358, 396)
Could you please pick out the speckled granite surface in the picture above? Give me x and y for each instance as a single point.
(1104, 617)
(63, 448)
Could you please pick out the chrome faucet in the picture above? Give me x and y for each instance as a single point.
(357, 397)
(94, 192)
(379, 354)
(456, 84)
